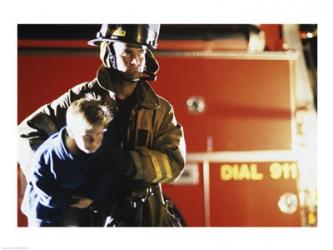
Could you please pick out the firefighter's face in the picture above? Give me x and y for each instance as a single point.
(88, 138)
(130, 59)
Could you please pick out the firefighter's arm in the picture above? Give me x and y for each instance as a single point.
(165, 161)
(37, 127)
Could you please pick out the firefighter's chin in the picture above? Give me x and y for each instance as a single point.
(131, 76)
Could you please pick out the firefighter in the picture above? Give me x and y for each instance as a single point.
(148, 146)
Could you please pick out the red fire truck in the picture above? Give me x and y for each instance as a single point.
(245, 98)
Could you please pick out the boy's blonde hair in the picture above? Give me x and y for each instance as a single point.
(93, 111)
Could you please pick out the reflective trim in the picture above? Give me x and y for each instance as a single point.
(167, 167)
(157, 168)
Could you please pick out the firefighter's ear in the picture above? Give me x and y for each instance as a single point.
(152, 67)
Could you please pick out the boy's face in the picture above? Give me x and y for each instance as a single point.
(88, 138)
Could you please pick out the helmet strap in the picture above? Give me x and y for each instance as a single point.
(111, 57)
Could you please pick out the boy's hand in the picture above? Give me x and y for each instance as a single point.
(82, 202)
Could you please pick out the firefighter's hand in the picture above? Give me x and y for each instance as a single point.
(82, 202)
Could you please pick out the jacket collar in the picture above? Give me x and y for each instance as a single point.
(146, 96)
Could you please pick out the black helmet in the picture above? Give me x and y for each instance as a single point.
(141, 34)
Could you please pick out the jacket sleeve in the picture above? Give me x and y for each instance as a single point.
(165, 160)
(37, 127)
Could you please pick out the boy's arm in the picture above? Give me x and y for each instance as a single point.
(51, 195)
(48, 192)
(50, 162)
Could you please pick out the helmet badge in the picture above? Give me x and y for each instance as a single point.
(119, 32)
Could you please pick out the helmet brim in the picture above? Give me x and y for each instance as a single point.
(98, 41)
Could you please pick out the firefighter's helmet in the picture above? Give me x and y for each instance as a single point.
(140, 34)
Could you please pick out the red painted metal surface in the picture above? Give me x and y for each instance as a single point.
(42, 78)
(248, 101)
(244, 202)
(273, 36)
(248, 108)
(26, 43)
(189, 200)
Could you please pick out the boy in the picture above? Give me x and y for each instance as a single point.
(59, 170)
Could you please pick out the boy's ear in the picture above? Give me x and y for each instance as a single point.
(70, 133)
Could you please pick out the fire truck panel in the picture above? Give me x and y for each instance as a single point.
(246, 104)
(254, 194)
